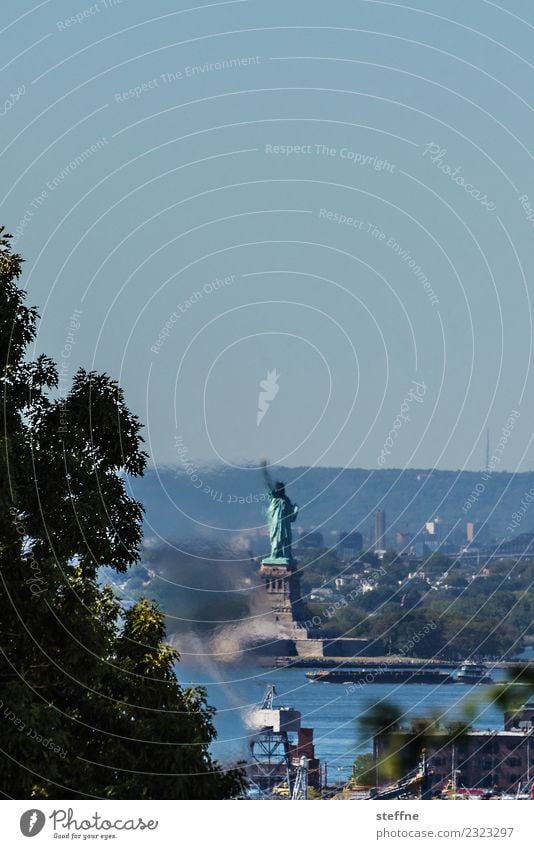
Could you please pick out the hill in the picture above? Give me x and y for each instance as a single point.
(214, 501)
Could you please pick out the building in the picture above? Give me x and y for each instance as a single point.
(496, 761)
(490, 760)
(310, 539)
(522, 718)
(380, 530)
(305, 747)
(437, 533)
(349, 545)
(402, 540)
(471, 531)
(277, 743)
(520, 546)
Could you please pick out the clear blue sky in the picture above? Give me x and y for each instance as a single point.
(164, 163)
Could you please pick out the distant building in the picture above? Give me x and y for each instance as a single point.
(310, 539)
(437, 528)
(416, 547)
(380, 530)
(521, 718)
(437, 535)
(305, 746)
(349, 545)
(402, 540)
(477, 534)
(321, 594)
(489, 760)
(521, 546)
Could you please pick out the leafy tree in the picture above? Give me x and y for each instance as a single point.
(375, 599)
(395, 567)
(350, 621)
(318, 567)
(382, 718)
(413, 593)
(90, 702)
(364, 770)
(411, 634)
(436, 564)
(477, 638)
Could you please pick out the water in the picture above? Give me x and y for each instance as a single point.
(332, 710)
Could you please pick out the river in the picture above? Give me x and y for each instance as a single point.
(332, 710)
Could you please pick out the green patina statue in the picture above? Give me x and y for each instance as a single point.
(281, 513)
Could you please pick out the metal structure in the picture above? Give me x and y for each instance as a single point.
(268, 699)
(413, 783)
(270, 771)
(300, 787)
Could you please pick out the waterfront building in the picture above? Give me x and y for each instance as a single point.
(491, 760)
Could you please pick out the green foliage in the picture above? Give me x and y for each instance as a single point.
(436, 564)
(380, 718)
(351, 621)
(90, 703)
(402, 752)
(444, 615)
(363, 770)
(318, 567)
(517, 689)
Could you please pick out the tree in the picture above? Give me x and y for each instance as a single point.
(478, 638)
(90, 701)
(436, 564)
(318, 567)
(364, 769)
(395, 567)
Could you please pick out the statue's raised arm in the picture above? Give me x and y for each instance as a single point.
(269, 485)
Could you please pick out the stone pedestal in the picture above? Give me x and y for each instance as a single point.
(277, 575)
(282, 586)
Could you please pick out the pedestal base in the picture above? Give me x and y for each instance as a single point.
(277, 561)
(282, 585)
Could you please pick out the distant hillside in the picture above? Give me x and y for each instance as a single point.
(210, 501)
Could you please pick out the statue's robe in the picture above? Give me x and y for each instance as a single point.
(281, 513)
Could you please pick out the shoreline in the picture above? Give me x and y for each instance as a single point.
(397, 662)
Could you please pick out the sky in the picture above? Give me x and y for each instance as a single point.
(295, 230)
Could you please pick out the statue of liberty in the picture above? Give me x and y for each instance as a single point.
(281, 513)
